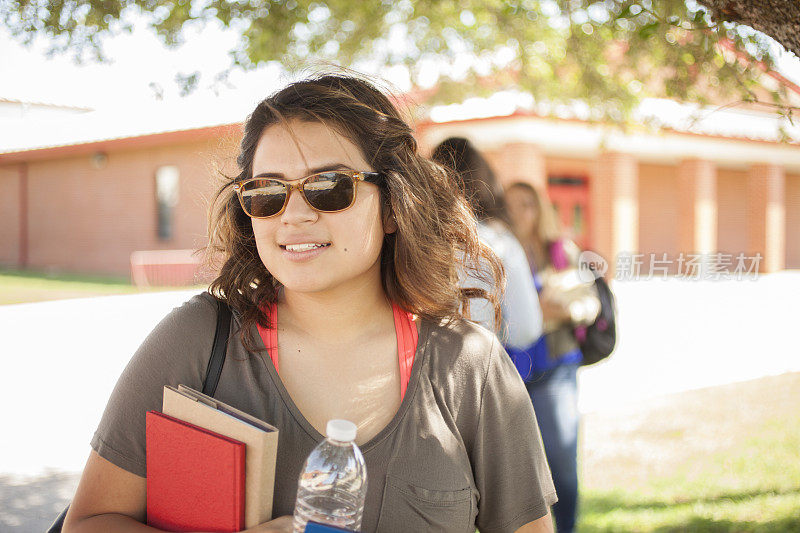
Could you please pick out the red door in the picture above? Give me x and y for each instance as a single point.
(570, 198)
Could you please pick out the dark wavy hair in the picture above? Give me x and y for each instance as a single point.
(436, 231)
(481, 187)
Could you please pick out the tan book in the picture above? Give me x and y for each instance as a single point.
(260, 439)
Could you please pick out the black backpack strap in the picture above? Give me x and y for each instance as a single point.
(217, 359)
(56, 526)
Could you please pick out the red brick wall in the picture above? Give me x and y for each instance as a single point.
(601, 199)
(732, 210)
(91, 219)
(518, 162)
(658, 210)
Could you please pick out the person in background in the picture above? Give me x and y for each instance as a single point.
(520, 324)
(567, 303)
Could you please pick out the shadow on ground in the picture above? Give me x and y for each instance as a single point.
(29, 505)
(600, 505)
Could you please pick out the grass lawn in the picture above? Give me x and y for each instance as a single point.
(23, 286)
(725, 459)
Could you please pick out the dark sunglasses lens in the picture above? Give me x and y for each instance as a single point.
(263, 198)
(330, 191)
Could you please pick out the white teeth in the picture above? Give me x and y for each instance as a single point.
(303, 247)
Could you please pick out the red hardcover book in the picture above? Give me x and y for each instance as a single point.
(195, 477)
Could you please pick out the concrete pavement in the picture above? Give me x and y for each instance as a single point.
(61, 360)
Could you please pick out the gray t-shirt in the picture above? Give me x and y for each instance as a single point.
(462, 451)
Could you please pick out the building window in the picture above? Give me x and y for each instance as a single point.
(167, 185)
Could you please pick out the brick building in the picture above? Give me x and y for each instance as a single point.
(104, 190)
(651, 192)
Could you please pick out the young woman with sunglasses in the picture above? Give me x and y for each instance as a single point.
(340, 243)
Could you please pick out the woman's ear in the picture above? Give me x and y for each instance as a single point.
(389, 223)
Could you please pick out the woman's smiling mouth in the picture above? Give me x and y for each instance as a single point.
(304, 251)
(304, 247)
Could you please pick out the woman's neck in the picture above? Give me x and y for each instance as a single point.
(341, 315)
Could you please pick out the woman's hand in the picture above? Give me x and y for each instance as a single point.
(282, 524)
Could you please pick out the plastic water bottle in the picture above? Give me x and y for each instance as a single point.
(333, 482)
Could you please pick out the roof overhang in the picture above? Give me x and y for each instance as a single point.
(123, 143)
(575, 138)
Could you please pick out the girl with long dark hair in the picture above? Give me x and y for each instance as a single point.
(340, 244)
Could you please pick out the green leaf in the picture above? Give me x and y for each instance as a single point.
(648, 30)
(625, 13)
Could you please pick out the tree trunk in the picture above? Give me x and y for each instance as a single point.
(780, 19)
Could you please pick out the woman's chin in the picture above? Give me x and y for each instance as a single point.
(306, 286)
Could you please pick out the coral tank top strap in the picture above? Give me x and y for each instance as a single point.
(407, 337)
(270, 335)
(404, 327)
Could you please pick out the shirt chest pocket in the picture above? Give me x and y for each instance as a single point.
(408, 508)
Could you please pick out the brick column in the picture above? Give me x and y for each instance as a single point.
(520, 162)
(697, 209)
(614, 192)
(766, 215)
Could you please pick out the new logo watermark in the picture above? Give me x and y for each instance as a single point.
(591, 266)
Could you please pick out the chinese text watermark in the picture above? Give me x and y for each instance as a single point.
(690, 266)
(715, 266)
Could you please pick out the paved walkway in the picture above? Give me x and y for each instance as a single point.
(61, 360)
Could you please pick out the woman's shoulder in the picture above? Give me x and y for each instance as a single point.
(470, 331)
(199, 310)
(463, 359)
(178, 348)
(461, 345)
(200, 302)
(189, 323)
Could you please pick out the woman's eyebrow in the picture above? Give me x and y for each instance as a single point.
(323, 168)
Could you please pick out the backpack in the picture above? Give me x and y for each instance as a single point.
(597, 340)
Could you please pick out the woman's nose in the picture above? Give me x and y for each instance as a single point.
(297, 209)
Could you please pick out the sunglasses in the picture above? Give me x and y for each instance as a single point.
(326, 192)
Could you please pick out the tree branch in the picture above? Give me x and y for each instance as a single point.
(780, 19)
